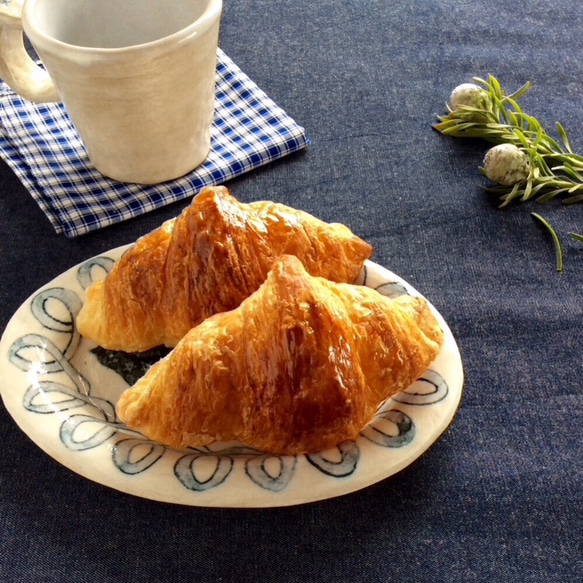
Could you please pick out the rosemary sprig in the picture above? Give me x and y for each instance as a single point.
(552, 169)
(555, 170)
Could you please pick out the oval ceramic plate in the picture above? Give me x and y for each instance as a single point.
(62, 389)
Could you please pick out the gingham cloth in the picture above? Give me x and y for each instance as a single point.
(41, 146)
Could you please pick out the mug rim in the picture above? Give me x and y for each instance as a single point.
(201, 24)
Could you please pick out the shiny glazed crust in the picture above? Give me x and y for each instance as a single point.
(208, 260)
(301, 365)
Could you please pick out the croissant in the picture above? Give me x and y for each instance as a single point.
(300, 366)
(208, 260)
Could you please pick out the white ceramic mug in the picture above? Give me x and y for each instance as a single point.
(137, 77)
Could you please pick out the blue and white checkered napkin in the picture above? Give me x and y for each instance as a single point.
(40, 144)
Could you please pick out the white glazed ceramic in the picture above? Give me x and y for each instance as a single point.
(61, 390)
(136, 77)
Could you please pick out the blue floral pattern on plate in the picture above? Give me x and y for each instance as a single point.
(55, 373)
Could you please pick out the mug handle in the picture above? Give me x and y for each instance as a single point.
(17, 68)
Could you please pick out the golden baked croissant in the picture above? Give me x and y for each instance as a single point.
(301, 365)
(208, 260)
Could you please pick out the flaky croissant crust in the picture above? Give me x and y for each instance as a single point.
(208, 260)
(301, 365)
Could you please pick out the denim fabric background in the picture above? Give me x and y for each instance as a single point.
(499, 497)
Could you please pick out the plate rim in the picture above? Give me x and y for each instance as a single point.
(104, 476)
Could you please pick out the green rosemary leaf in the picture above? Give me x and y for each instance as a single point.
(556, 241)
(508, 198)
(570, 172)
(553, 145)
(564, 137)
(577, 237)
(495, 84)
(457, 129)
(527, 190)
(512, 103)
(550, 195)
(499, 127)
(572, 157)
(536, 172)
(520, 92)
(573, 199)
(539, 135)
(522, 138)
(536, 189)
(512, 119)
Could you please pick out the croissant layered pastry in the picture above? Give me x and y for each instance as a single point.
(300, 366)
(206, 261)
